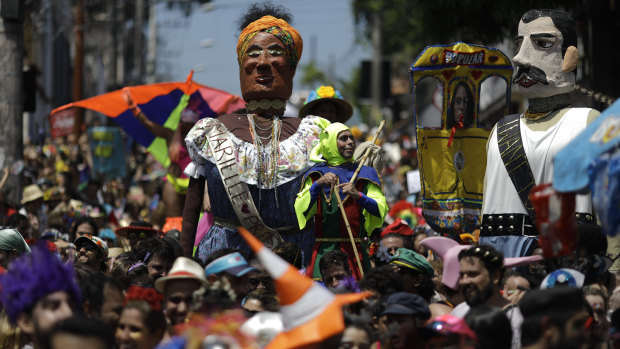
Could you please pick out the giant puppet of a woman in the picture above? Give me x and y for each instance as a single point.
(253, 162)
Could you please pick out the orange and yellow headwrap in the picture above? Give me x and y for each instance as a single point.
(279, 28)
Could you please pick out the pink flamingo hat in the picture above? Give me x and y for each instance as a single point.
(448, 250)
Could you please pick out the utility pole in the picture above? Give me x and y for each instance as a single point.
(11, 94)
(377, 62)
(151, 47)
(137, 42)
(121, 45)
(78, 63)
(112, 14)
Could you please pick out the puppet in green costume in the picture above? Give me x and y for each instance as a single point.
(364, 201)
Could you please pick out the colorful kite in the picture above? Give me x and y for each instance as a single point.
(161, 103)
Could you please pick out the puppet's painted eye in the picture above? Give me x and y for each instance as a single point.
(543, 43)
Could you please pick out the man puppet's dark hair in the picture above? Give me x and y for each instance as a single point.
(258, 10)
(562, 20)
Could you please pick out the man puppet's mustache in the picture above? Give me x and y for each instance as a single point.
(531, 72)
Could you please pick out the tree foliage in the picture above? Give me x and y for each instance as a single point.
(185, 7)
(313, 76)
(410, 25)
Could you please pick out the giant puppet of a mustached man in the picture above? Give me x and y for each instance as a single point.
(521, 148)
(452, 128)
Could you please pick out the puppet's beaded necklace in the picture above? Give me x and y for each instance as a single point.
(268, 154)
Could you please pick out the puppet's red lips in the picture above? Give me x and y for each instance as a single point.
(525, 81)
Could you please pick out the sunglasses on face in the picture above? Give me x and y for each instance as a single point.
(255, 281)
(87, 247)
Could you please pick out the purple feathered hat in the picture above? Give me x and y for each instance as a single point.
(32, 277)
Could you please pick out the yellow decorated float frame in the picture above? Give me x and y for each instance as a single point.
(450, 65)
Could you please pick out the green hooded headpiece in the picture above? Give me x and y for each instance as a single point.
(327, 149)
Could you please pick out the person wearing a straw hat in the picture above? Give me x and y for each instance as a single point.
(364, 201)
(136, 232)
(32, 200)
(327, 103)
(92, 251)
(185, 277)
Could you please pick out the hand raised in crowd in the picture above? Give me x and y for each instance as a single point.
(328, 180)
(349, 189)
(515, 296)
(126, 94)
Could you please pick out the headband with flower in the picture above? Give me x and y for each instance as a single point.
(147, 294)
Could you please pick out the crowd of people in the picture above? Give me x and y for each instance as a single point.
(312, 241)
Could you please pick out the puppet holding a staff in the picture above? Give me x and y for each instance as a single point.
(346, 198)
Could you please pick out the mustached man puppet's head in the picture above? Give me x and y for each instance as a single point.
(546, 54)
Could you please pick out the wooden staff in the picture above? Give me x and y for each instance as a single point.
(346, 222)
(341, 205)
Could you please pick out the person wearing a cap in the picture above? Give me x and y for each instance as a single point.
(406, 313)
(364, 201)
(327, 103)
(108, 236)
(232, 267)
(415, 272)
(185, 277)
(12, 245)
(92, 251)
(448, 331)
(397, 235)
(555, 318)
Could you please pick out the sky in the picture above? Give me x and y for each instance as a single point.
(326, 27)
